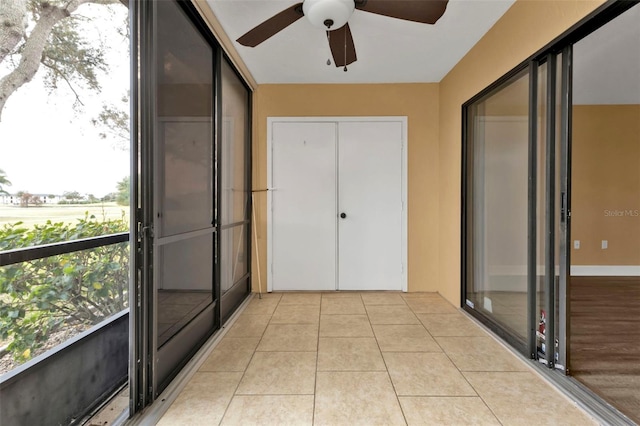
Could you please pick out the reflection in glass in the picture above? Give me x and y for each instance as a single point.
(234, 255)
(187, 196)
(185, 129)
(235, 186)
(499, 126)
(184, 172)
(184, 286)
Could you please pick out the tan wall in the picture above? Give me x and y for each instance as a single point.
(526, 27)
(605, 202)
(434, 112)
(419, 102)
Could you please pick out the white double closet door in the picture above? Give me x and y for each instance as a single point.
(336, 218)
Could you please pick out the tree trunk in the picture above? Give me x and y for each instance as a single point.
(13, 21)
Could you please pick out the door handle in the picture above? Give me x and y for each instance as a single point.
(343, 215)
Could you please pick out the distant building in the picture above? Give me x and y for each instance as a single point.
(14, 200)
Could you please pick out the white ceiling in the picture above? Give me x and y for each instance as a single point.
(606, 63)
(389, 50)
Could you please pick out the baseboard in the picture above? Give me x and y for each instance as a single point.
(605, 270)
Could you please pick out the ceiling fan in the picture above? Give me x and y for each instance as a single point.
(332, 16)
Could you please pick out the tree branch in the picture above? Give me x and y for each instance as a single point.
(49, 16)
(66, 80)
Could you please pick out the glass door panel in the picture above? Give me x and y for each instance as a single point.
(184, 220)
(499, 154)
(235, 188)
(184, 288)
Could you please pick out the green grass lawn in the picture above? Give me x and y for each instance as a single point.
(60, 213)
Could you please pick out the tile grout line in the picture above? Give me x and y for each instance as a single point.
(455, 365)
(315, 383)
(320, 314)
(461, 372)
(386, 367)
(235, 391)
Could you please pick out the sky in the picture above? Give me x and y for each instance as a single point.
(47, 147)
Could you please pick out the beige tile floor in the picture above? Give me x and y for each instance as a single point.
(364, 359)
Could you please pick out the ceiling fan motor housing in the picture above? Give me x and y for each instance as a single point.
(328, 14)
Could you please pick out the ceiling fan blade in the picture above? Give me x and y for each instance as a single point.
(423, 11)
(342, 48)
(272, 26)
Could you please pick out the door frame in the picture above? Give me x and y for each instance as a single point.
(403, 120)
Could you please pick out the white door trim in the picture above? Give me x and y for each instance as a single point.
(272, 120)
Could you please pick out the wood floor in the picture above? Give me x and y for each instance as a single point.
(605, 339)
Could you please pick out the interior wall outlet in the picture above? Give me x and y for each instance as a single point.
(576, 244)
(605, 244)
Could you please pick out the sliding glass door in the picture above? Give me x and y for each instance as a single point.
(191, 187)
(497, 229)
(184, 223)
(562, 121)
(513, 203)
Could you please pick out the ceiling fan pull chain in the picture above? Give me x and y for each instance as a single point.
(345, 49)
(329, 40)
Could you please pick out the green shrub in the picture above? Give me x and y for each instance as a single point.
(76, 289)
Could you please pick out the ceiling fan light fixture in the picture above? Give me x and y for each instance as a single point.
(328, 14)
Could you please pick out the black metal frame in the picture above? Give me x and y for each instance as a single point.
(27, 254)
(217, 114)
(564, 310)
(532, 278)
(138, 21)
(550, 210)
(46, 387)
(142, 109)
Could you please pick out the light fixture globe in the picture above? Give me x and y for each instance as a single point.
(328, 14)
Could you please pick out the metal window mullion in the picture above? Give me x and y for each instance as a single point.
(532, 216)
(248, 162)
(217, 149)
(464, 213)
(136, 334)
(550, 211)
(147, 119)
(564, 289)
(479, 240)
